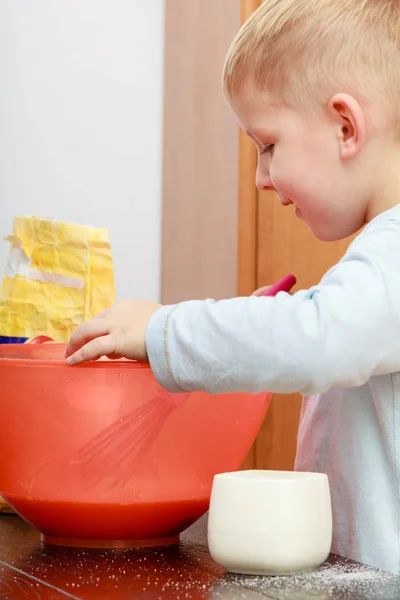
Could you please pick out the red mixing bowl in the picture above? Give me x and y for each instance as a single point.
(101, 456)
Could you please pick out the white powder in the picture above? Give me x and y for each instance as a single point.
(342, 580)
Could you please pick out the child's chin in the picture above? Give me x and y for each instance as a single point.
(323, 232)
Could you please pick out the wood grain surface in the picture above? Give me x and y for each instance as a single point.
(31, 570)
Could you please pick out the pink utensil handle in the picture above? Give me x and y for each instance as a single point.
(40, 339)
(283, 285)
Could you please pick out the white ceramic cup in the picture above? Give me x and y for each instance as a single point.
(270, 522)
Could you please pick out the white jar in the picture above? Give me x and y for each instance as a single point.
(270, 522)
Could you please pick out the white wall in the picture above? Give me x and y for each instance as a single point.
(81, 88)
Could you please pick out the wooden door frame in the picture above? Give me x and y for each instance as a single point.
(248, 198)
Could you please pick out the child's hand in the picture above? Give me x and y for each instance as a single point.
(261, 291)
(119, 332)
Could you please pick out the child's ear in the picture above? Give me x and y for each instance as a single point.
(350, 121)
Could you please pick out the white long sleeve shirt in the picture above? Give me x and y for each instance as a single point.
(338, 344)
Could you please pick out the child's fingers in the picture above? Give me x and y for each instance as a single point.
(261, 290)
(86, 333)
(101, 346)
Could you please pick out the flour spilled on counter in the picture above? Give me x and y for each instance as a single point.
(341, 579)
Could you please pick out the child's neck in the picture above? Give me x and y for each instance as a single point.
(387, 193)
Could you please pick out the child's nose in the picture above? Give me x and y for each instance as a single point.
(263, 180)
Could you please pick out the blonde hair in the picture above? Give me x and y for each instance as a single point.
(303, 51)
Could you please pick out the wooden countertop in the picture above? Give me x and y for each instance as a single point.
(31, 570)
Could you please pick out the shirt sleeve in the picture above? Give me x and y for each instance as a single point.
(338, 333)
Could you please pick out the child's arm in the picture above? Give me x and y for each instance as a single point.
(339, 333)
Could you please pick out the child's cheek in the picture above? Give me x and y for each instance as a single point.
(285, 177)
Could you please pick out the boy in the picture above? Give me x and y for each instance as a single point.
(316, 86)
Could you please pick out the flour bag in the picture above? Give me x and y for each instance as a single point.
(57, 276)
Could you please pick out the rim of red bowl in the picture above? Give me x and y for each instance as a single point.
(31, 361)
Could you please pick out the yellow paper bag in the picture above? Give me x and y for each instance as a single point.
(58, 275)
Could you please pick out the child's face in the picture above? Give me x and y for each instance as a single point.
(300, 159)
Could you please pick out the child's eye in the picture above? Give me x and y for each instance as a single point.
(267, 149)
